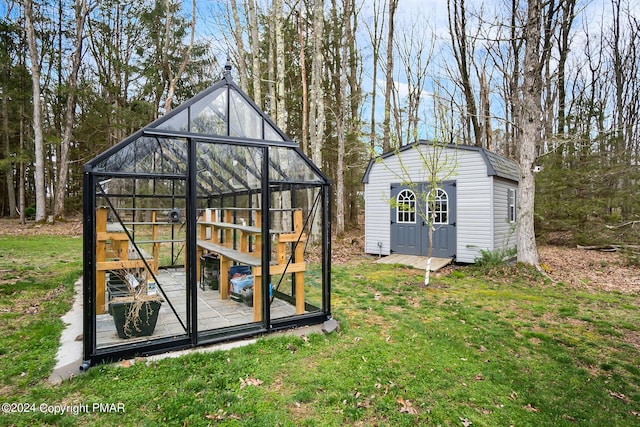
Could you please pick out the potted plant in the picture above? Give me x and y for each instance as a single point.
(135, 312)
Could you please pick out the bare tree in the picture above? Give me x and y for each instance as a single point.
(316, 94)
(281, 115)
(173, 77)
(375, 36)
(37, 112)
(316, 104)
(238, 38)
(463, 53)
(415, 48)
(530, 125)
(254, 40)
(389, 86)
(81, 10)
(302, 33)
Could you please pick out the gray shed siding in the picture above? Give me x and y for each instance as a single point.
(475, 193)
(504, 236)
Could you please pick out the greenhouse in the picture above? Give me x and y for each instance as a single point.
(207, 225)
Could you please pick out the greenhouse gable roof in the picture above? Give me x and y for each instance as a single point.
(221, 113)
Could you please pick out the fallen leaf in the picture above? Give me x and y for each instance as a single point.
(406, 406)
(479, 377)
(465, 422)
(218, 416)
(249, 381)
(620, 396)
(483, 348)
(513, 395)
(530, 408)
(125, 364)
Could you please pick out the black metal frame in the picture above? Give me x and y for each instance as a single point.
(92, 175)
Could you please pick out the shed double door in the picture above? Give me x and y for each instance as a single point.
(409, 229)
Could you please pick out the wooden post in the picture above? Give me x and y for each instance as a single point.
(299, 257)
(156, 245)
(228, 218)
(101, 256)
(257, 298)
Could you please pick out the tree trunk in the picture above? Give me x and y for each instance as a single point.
(11, 192)
(173, 78)
(41, 206)
(304, 143)
(237, 37)
(280, 70)
(317, 115)
(376, 39)
(63, 171)
(458, 32)
(531, 126)
(316, 105)
(342, 117)
(389, 87)
(256, 73)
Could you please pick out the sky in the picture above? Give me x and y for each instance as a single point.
(428, 16)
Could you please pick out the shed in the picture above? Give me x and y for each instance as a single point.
(476, 201)
(208, 212)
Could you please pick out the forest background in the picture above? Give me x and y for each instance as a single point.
(347, 80)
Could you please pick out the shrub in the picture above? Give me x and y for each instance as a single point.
(496, 257)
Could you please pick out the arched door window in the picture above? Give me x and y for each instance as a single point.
(440, 204)
(406, 207)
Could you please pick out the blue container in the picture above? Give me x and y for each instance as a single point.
(238, 284)
(239, 269)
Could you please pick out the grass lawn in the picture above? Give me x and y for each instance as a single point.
(477, 348)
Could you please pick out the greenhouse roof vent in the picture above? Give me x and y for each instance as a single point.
(227, 70)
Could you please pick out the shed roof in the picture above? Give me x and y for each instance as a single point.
(497, 165)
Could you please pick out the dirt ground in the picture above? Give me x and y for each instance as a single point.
(587, 269)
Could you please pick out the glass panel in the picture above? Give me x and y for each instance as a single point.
(179, 122)
(511, 202)
(286, 164)
(209, 115)
(141, 285)
(296, 279)
(224, 168)
(149, 155)
(406, 207)
(441, 207)
(270, 133)
(229, 235)
(244, 120)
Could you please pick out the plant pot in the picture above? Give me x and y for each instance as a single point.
(116, 288)
(135, 318)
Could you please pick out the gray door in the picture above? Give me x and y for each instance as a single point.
(444, 235)
(406, 225)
